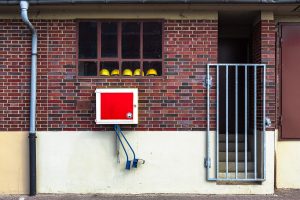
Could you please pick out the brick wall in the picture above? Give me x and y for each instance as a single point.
(175, 101)
(14, 76)
(264, 37)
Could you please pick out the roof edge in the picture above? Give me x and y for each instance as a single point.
(14, 2)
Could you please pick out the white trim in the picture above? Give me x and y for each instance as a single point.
(134, 120)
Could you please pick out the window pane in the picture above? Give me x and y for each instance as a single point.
(87, 40)
(129, 68)
(152, 39)
(87, 68)
(131, 40)
(152, 68)
(112, 67)
(109, 39)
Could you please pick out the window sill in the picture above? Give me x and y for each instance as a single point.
(119, 77)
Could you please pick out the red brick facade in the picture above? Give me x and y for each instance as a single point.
(175, 101)
(264, 46)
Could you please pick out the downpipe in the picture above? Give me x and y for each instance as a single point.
(32, 131)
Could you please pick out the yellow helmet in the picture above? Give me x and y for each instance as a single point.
(115, 72)
(127, 72)
(151, 72)
(104, 72)
(137, 72)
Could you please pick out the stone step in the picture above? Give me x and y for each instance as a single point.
(231, 166)
(241, 175)
(231, 137)
(231, 147)
(231, 156)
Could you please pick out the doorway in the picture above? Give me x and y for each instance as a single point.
(239, 157)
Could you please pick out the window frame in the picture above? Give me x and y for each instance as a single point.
(119, 58)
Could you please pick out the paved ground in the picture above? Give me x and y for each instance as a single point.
(280, 194)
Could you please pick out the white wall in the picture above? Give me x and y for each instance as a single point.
(85, 162)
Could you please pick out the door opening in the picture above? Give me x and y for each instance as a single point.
(239, 141)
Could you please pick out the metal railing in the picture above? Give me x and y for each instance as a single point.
(253, 78)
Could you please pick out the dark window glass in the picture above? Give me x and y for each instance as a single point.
(87, 40)
(87, 68)
(130, 40)
(109, 40)
(152, 68)
(130, 67)
(152, 40)
(112, 67)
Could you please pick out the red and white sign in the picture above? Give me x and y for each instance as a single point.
(117, 106)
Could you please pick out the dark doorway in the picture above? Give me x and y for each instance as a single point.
(236, 143)
(232, 50)
(234, 46)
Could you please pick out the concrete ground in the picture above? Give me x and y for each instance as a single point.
(280, 194)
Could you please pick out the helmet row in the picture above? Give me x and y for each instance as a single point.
(128, 72)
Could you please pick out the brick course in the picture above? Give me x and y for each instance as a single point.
(175, 101)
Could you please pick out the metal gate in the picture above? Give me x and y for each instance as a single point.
(238, 153)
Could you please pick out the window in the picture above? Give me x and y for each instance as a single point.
(120, 48)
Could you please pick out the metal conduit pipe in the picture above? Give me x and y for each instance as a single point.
(12, 2)
(32, 131)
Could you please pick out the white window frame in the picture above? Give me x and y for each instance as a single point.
(99, 91)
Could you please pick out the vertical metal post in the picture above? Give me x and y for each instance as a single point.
(246, 120)
(264, 118)
(226, 121)
(217, 121)
(255, 132)
(208, 124)
(236, 122)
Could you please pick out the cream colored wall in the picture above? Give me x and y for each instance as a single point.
(86, 162)
(14, 163)
(266, 15)
(288, 164)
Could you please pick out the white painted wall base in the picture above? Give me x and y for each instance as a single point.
(85, 162)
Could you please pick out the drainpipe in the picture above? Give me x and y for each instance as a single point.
(32, 132)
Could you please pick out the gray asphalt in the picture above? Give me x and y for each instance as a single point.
(280, 194)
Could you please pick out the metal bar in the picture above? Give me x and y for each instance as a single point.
(246, 113)
(241, 65)
(208, 125)
(255, 132)
(236, 121)
(233, 179)
(217, 121)
(264, 118)
(226, 121)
